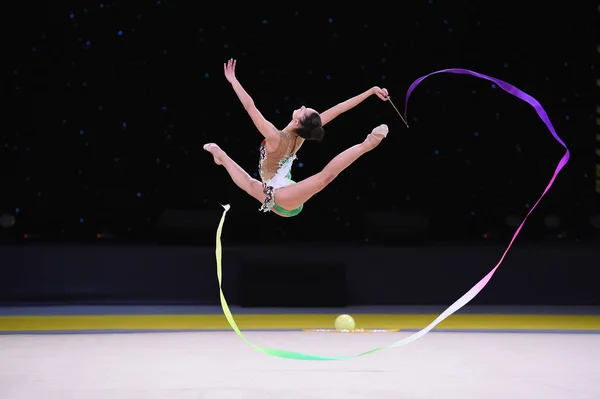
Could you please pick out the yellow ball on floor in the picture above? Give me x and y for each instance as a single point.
(344, 322)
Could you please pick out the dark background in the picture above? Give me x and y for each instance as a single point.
(107, 106)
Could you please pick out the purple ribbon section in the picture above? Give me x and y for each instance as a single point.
(507, 87)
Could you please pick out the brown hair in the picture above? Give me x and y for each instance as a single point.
(311, 127)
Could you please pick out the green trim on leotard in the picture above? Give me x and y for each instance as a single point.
(287, 213)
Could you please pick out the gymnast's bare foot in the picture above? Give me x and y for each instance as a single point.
(375, 137)
(216, 151)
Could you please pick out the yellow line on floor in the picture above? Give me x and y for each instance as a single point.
(294, 321)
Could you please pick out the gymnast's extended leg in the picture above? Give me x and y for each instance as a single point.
(239, 176)
(291, 197)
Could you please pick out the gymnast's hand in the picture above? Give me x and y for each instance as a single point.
(381, 93)
(229, 68)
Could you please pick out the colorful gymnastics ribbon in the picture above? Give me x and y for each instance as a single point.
(462, 301)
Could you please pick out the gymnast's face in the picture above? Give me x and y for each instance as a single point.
(301, 113)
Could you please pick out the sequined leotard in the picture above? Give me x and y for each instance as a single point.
(275, 167)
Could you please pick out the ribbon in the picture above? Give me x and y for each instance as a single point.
(462, 301)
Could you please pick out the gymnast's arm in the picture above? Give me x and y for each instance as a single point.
(333, 112)
(266, 128)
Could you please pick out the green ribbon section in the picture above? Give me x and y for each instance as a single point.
(269, 351)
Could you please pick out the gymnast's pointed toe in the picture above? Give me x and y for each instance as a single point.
(380, 131)
(215, 150)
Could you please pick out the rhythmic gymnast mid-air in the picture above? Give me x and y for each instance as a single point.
(278, 192)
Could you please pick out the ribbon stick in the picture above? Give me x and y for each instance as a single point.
(462, 301)
(399, 114)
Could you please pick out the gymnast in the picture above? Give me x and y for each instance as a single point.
(278, 192)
